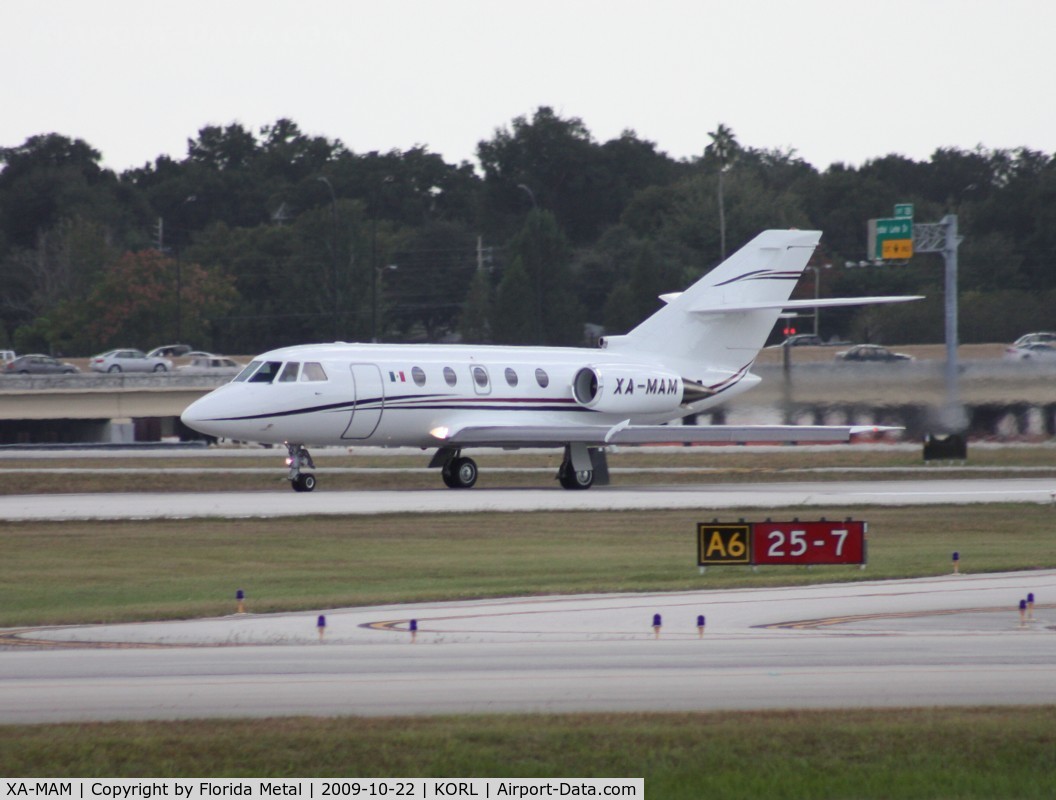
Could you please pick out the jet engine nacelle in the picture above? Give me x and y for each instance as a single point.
(627, 389)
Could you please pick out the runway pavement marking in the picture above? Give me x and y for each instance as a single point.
(810, 624)
(21, 637)
(560, 606)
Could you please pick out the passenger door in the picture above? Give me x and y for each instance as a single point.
(369, 392)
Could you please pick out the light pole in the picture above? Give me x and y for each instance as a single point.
(529, 192)
(333, 252)
(374, 272)
(375, 269)
(178, 253)
(538, 277)
(817, 291)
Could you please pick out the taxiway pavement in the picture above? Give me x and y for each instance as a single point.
(952, 640)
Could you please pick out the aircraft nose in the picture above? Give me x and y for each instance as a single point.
(196, 414)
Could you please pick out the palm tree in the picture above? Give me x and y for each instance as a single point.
(723, 148)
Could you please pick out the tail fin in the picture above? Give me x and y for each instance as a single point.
(724, 319)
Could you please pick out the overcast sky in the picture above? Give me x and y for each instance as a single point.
(835, 80)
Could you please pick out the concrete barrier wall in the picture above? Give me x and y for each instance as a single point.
(100, 396)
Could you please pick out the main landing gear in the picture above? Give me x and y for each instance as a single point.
(300, 457)
(569, 478)
(460, 472)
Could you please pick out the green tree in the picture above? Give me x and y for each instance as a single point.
(410, 187)
(51, 178)
(61, 267)
(297, 283)
(554, 163)
(135, 300)
(542, 253)
(621, 310)
(723, 150)
(681, 231)
(474, 320)
(435, 264)
(635, 271)
(514, 318)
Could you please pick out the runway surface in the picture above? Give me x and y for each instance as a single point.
(953, 640)
(282, 502)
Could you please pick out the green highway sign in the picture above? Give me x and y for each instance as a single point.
(891, 239)
(904, 210)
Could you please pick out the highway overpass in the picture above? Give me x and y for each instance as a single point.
(97, 408)
(1002, 398)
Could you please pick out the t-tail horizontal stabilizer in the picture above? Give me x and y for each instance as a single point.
(727, 315)
(791, 305)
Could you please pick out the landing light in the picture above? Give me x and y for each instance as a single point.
(441, 432)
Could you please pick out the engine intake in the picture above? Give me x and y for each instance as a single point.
(629, 389)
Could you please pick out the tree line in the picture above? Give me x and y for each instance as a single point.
(257, 239)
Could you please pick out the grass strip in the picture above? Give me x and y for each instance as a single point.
(917, 753)
(110, 571)
(719, 464)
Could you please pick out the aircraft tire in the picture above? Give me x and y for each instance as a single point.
(304, 482)
(449, 477)
(460, 473)
(570, 479)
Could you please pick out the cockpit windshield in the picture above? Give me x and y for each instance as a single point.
(269, 371)
(250, 368)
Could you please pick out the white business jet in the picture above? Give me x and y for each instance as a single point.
(695, 352)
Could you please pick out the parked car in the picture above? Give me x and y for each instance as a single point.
(1035, 351)
(1035, 338)
(170, 351)
(211, 365)
(38, 364)
(7, 356)
(128, 361)
(804, 339)
(871, 352)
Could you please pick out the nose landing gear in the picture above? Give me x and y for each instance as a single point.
(458, 471)
(299, 457)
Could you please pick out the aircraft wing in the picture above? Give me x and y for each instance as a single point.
(623, 433)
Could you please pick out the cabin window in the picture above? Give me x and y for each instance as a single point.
(480, 377)
(289, 372)
(511, 376)
(313, 371)
(450, 376)
(542, 378)
(251, 367)
(267, 372)
(418, 374)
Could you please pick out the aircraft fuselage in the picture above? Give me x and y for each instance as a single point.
(405, 395)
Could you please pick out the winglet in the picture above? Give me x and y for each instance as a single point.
(619, 426)
(857, 430)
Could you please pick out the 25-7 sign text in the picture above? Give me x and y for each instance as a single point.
(796, 542)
